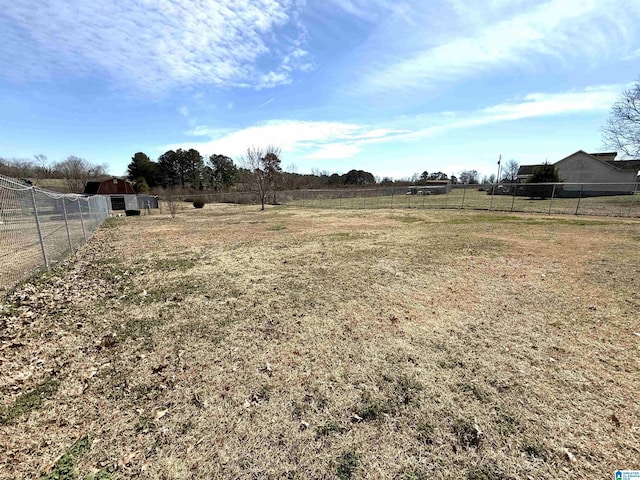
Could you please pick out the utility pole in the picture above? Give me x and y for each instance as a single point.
(493, 188)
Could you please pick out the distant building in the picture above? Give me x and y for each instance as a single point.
(430, 187)
(600, 173)
(121, 193)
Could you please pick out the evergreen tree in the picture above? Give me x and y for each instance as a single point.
(223, 171)
(142, 167)
(169, 173)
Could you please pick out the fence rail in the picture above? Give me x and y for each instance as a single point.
(38, 228)
(602, 199)
(605, 199)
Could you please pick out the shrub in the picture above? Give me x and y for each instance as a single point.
(546, 173)
(198, 203)
(173, 205)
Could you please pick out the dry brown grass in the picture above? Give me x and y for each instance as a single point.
(229, 343)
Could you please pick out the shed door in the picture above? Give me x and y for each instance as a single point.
(117, 203)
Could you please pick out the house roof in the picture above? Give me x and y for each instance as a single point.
(605, 156)
(626, 165)
(527, 169)
(608, 158)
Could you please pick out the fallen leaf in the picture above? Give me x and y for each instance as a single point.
(159, 414)
(570, 456)
(615, 420)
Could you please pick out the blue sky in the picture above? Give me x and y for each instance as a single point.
(389, 86)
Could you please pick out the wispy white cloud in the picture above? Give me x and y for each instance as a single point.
(525, 38)
(183, 111)
(369, 10)
(334, 140)
(633, 55)
(156, 44)
(334, 151)
(291, 135)
(589, 100)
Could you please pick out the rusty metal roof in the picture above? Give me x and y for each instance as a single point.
(110, 186)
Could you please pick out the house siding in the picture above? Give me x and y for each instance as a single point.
(582, 168)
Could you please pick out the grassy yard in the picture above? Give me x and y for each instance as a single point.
(308, 343)
(473, 199)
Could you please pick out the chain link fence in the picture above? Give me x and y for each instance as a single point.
(620, 200)
(39, 228)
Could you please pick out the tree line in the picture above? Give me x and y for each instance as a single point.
(75, 171)
(188, 169)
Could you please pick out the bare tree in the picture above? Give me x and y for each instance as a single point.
(511, 170)
(75, 171)
(173, 204)
(622, 130)
(469, 176)
(264, 166)
(44, 168)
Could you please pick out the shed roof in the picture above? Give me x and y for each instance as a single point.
(109, 186)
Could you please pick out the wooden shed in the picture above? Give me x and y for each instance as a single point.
(121, 194)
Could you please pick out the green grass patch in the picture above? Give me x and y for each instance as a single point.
(29, 401)
(406, 218)
(172, 264)
(535, 450)
(466, 432)
(413, 474)
(66, 466)
(507, 423)
(425, 433)
(478, 392)
(113, 222)
(347, 464)
(329, 428)
(485, 472)
(276, 228)
(341, 235)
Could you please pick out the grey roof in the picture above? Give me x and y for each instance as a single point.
(626, 165)
(527, 169)
(605, 156)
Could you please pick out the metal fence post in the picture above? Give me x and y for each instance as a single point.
(464, 193)
(392, 192)
(35, 212)
(579, 198)
(84, 233)
(90, 218)
(66, 225)
(493, 192)
(378, 198)
(553, 193)
(635, 190)
(513, 197)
